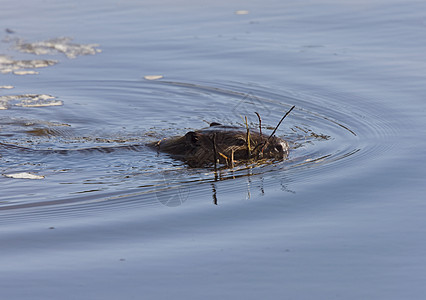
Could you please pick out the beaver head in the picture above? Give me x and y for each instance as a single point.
(224, 145)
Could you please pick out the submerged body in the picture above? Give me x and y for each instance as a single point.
(224, 145)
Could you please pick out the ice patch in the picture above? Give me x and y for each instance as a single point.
(24, 175)
(4, 104)
(153, 77)
(242, 12)
(9, 65)
(28, 100)
(57, 45)
(26, 72)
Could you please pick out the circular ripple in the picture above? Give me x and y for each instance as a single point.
(328, 132)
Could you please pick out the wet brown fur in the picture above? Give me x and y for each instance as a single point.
(224, 145)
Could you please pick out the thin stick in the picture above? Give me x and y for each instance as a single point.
(279, 123)
(260, 123)
(214, 149)
(248, 140)
(225, 157)
(232, 158)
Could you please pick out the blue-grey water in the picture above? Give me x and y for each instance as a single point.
(100, 216)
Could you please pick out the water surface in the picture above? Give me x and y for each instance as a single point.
(108, 217)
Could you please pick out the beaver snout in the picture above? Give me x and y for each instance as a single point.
(281, 148)
(277, 149)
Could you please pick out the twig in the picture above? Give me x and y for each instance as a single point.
(278, 125)
(232, 158)
(260, 123)
(225, 157)
(248, 140)
(214, 149)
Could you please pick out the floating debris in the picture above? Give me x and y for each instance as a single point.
(153, 77)
(242, 12)
(10, 31)
(9, 65)
(24, 175)
(6, 87)
(57, 45)
(28, 100)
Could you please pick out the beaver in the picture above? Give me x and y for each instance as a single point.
(223, 145)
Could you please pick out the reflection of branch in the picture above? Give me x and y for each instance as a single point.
(252, 185)
(214, 195)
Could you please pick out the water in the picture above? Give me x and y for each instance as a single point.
(341, 218)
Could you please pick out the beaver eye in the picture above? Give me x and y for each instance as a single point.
(191, 137)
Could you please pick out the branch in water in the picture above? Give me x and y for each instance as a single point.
(278, 125)
(260, 122)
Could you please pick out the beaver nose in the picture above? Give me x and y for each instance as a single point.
(281, 148)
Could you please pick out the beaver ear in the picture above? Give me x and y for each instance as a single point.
(191, 138)
(215, 124)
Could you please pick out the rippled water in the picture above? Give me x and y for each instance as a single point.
(103, 214)
(116, 159)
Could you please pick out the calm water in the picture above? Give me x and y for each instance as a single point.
(105, 217)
